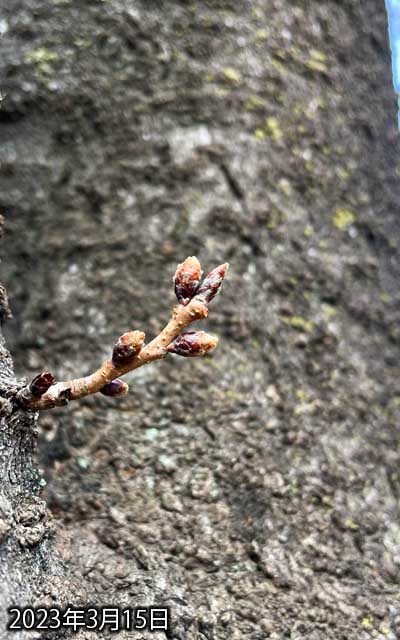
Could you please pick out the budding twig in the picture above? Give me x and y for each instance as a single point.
(130, 352)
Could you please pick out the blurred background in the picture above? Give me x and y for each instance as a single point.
(256, 491)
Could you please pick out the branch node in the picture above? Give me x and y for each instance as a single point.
(65, 396)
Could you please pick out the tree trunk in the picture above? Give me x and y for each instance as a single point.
(29, 567)
(255, 492)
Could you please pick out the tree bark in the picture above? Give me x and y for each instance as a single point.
(29, 568)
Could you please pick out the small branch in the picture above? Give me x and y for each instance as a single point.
(130, 353)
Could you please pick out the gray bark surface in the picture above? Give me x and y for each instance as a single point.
(255, 491)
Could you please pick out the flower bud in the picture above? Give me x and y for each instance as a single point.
(41, 384)
(187, 279)
(192, 344)
(127, 347)
(114, 388)
(211, 284)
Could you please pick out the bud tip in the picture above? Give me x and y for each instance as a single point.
(187, 279)
(212, 282)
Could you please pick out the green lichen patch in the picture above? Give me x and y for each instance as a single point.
(343, 218)
(42, 59)
(231, 75)
(317, 61)
(270, 128)
(299, 323)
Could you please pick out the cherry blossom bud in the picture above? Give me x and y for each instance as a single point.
(187, 279)
(41, 383)
(192, 344)
(127, 347)
(116, 387)
(211, 284)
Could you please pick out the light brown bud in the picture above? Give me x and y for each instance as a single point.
(187, 279)
(41, 384)
(212, 283)
(114, 388)
(127, 347)
(192, 344)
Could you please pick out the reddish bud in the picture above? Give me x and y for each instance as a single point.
(212, 283)
(192, 344)
(127, 347)
(187, 279)
(41, 384)
(114, 388)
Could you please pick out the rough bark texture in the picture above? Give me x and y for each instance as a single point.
(29, 568)
(256, 492)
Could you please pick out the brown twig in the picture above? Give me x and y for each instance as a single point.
(130, 353)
